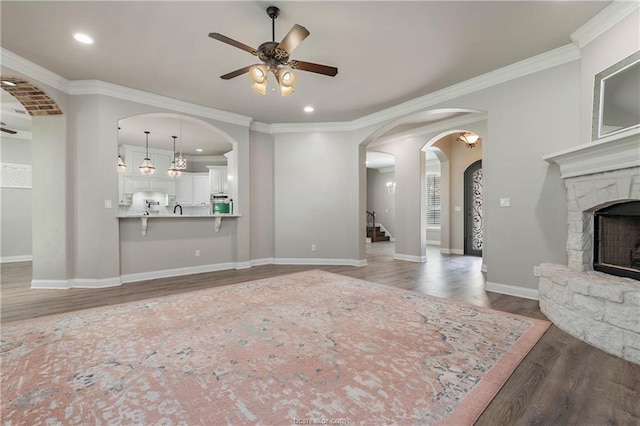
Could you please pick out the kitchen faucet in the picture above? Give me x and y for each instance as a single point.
(174, 209)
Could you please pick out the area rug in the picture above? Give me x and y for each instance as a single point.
(306, 348)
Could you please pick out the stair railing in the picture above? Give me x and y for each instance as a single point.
(371, 225)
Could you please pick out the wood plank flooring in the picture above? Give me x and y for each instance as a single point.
(562, 381)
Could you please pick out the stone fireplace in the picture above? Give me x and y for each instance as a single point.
(596, 307)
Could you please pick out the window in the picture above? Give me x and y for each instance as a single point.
(433, 200)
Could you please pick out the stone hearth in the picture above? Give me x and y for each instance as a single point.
(600, 309)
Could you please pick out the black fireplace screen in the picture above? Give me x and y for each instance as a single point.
(617, 240)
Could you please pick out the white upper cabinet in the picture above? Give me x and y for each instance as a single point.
(192, 189)
(218, 179)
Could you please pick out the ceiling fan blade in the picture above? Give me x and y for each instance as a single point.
(236, 73)
(232, 42)
(311, 67)
(11, 132)
(294, 37)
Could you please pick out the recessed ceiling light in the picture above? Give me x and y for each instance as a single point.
(308, 109)
(8, 83)
(199, 149)
(83, 38)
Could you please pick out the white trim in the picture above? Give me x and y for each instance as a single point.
(97, 87)
(11, 259)
(525, 67)
(445, 251)
(512, 290)
(483, 268)
(550, 59)
(389, 169)
(176, 272)
(34, 71)
(607, 154)
(313, 261)
(457, 251)
(243, 265)
(410, 258)
(95, 283)
(260, 262)
(433, 242)
(75, 283)
(51, 284)
(603, 21)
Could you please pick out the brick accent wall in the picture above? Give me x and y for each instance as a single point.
(34, 99)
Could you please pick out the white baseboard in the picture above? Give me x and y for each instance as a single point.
(483, 268)
(75, 283)
(433, 243)
(512, 290)
(312, 261)
(243, 265)
(260, 262)
(451, 251)
(410, 258)
(11, 259)
(176, 272)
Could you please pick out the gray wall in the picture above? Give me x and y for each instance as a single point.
(316, 196)
(379, 200)
(15, 204)
(262, 197)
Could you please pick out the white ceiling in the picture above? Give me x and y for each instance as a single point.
(386, 52)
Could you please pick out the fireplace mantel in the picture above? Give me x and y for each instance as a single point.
(616, 152)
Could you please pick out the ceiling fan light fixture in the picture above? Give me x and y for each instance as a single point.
(258, 74)
(286, 79)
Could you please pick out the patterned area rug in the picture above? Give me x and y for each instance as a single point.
(307, 348)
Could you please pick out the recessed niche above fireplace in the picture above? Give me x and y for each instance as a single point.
(616, 248)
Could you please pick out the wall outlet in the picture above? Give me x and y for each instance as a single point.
(197, 254)
(107, 204)
(313, 247)
(536, 271)
(457, 208)
(505, 202)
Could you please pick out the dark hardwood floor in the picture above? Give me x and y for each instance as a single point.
(562, 381)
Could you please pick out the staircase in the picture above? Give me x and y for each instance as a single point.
(376, 234)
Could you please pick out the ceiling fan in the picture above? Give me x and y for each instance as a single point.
(11, 132)
(275, 58)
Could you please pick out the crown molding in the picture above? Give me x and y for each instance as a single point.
(97, 87)
(343, 126)
(430, 129)
(34, 71)
(258, 126)
(603, 21)
(525, 67)
(550, 59)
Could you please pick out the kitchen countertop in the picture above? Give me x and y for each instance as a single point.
(173, 216)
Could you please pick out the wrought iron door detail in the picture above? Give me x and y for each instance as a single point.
(477, 231)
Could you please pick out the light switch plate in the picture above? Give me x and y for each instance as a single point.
(457, 208)
(107, 204)
(505, 202)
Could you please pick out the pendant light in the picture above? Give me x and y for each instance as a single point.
(180, 162)
(122, 167)
(173, 171)
(146, 168)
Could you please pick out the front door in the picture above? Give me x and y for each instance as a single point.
(473, 225)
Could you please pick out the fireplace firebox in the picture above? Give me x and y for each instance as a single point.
(617, 240)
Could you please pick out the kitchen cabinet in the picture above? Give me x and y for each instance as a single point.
(193, 189)
(133, 181)
(218, 179)
(201, 189)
